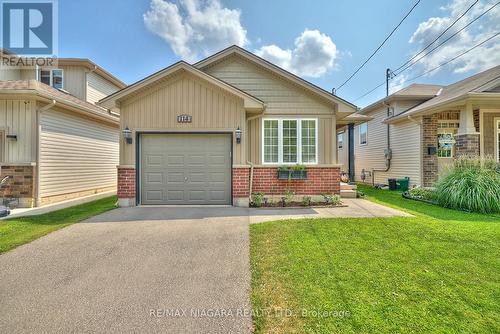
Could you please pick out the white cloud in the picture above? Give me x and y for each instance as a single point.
(313, 55)
(195, 28)
(481, 58)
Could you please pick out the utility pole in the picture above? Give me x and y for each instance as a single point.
(388, 76)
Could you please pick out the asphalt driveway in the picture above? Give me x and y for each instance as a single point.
(143, 270)
(115, 274)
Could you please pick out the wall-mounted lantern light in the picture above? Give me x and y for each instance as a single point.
(12, 137)
(238, 135)
(127, 134)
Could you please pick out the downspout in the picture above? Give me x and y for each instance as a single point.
(251, 165)
(38, 200)
(387, 151)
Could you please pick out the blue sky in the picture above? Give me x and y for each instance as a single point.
(323, 41)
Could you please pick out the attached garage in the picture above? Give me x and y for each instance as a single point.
(185, 169)
(218, 131)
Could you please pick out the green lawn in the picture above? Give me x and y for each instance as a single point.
(436, 272)
(18, 231)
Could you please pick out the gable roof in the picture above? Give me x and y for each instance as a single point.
(87, 63)
(250, 102)
(411, 92)
(37, 88)
(348, 107)
(479, 84)
(90, 65)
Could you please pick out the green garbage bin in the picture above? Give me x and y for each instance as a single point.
(404, 184)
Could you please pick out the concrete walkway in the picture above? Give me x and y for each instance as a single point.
(142, 270)
(22, 212)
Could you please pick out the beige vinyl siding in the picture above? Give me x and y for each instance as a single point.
(98, 87)
(280, 96)
(18, 117)
(76, 154)
(405, 145)
(282, 99)
(343, 154)
(74, 80)
(10, 74)
(489, 132)
(156, 109)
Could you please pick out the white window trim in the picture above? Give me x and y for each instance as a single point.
(445, 132)
(299, 141)
(359, 135)
(52, 76)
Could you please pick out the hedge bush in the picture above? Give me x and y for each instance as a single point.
(472, 184)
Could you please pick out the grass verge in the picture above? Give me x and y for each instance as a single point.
(436, 272)
(17, 231)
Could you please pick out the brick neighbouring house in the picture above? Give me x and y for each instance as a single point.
(429, 126)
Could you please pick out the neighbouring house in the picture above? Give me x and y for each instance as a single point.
(55, 142)
(217, 131)
(418, 131)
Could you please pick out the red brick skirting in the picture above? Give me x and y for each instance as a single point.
(126, 182)
(21, 184)
(319, 180)
(241, 182)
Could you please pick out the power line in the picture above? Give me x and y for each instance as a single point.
(439, 36)
(435, 68)
(380, 46)
(446, 40)
(454, 58)
(369, 92)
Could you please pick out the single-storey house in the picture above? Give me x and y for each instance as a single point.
(217, 131)
(55, 142)
(418, 131)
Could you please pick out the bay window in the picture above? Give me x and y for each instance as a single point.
(290, 141)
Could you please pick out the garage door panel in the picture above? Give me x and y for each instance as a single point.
(175, 160)
(153, 178)
(196, 169)
(154, 195)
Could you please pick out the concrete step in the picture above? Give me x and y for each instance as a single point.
(348, 193)
(346, 186)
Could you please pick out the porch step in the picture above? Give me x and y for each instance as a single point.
(347, 186)
(344, 193)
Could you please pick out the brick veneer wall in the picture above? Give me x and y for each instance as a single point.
(241, 182)
(319, 180)
(429, 161)
(467, 144)
(126, 182)
(21, 185)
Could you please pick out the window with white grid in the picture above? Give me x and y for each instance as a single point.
(289, 141)
(271, 154)
(308, 141)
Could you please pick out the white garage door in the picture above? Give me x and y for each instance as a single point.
(185, 169)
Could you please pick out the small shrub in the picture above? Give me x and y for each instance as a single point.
(471, 184)
(288, 197)
(422, 193)
(306, 201)
(332, 199)
(299, 168)
(257, 199)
